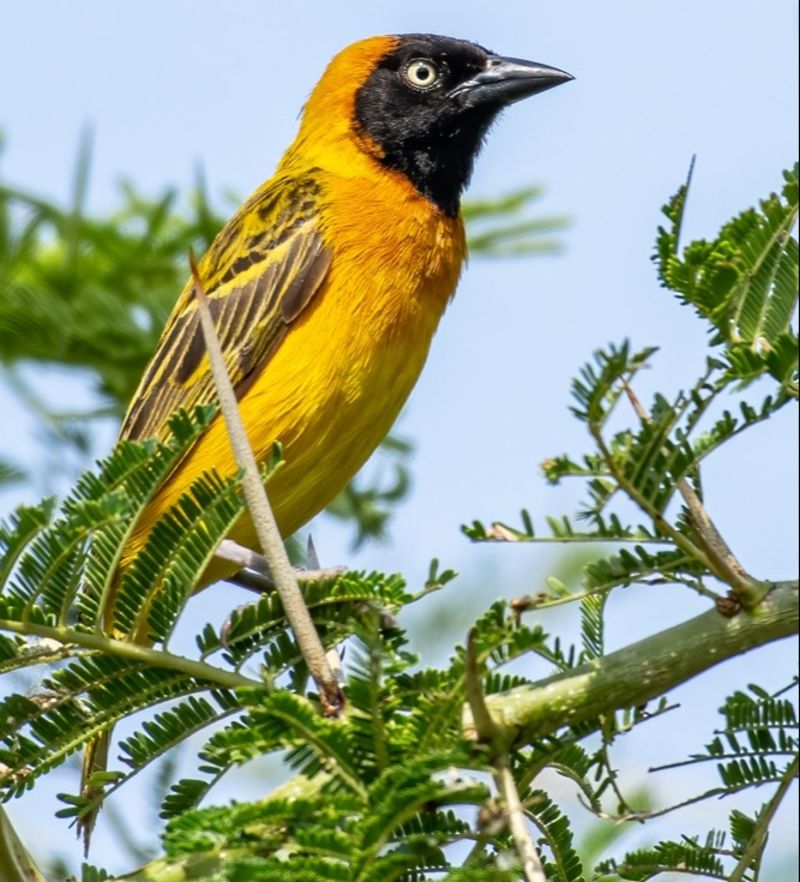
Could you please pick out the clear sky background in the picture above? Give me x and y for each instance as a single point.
(170, 85)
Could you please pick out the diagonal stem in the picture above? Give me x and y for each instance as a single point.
(638, 672)
(507, 788)
(758, 840)
(136, 652)
(263, 519)
(16, 864)
(725, 563)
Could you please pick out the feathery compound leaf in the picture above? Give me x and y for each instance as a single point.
(137, 469)
(565, 865)
(744, 282)
(180, 722)
(493, 229)
(163, 574)
(57, 569)
(683, 857)
(628, 567)
(283, 720)
(592, 626)
(401, 792)
(75, 705)
(758, 711)
(18, 532)
(336, 606)
(758, 743)
(598, 387)
(183, 796)
(204, 829)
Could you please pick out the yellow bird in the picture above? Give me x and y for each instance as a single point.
(328, 284)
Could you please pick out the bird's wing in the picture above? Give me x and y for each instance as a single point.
(261, 272)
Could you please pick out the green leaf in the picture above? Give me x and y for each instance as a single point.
(554, 826)
(744, 282)
(645, 863)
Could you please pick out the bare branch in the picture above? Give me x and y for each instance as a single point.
(758, 840)
(507, 788)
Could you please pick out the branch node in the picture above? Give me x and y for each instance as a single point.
(485, 728)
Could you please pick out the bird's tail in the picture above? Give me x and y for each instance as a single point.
(95, 759)
(95, 752)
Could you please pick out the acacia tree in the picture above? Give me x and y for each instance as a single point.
(432, 771)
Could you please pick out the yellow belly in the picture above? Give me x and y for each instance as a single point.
(337, 382)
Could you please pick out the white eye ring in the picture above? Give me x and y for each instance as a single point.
(422, 73)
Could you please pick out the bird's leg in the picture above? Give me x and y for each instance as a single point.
(254, 574)
(254, 571)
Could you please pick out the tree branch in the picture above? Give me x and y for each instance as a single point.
(502, 774)
(507, 788)
(749, 591)
(641, 671)
(758, 840)
(266, 528)
(137, 652)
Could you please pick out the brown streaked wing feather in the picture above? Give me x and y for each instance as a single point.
(258, 295)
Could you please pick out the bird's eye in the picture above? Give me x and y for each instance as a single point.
(421, 73)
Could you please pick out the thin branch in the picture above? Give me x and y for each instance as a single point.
(747, 589)
(485, 727)
(490, 734)
(678, 538)
(644, 815)
(722, 757)
(758, 840)
(147, 655)
(263, 519)
(641, 671)
(543, 600)
(507, 788)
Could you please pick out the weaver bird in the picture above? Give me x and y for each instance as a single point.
(329, 282)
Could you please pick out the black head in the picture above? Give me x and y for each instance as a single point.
(430, 101)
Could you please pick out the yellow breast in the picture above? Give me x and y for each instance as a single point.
(334, 387)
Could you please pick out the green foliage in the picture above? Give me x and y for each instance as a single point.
(495, 228)
(744, 283)
(9, 473)
(398, 788)
(766, 722)
(757, 744)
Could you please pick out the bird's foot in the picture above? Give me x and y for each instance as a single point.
(255, 575)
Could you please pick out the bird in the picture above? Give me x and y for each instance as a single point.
(328, 284)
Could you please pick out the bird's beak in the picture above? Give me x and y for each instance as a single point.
(506, 80)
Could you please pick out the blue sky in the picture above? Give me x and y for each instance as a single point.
(168, 86)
